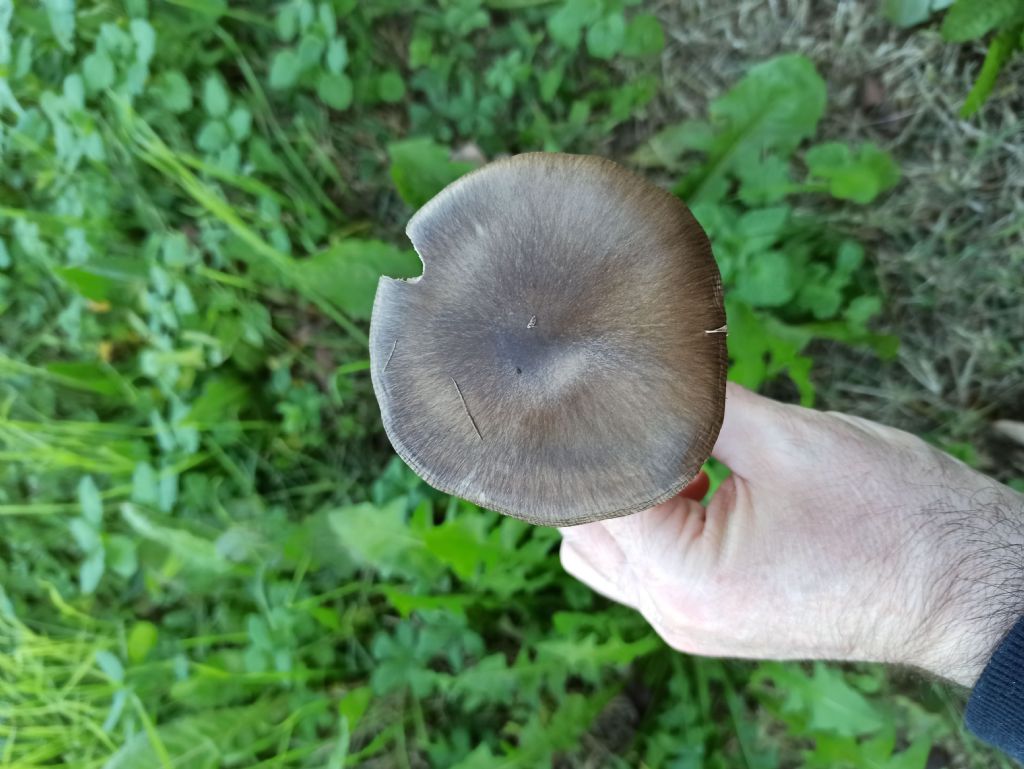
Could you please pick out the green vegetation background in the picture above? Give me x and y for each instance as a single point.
(209, 556)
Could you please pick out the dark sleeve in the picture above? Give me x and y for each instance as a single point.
(995, 711)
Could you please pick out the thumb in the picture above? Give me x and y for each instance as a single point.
(749, 430)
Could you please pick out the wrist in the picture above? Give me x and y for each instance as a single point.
(977, 594)
(961, 654)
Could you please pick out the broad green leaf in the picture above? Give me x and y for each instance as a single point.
(421, 50)
(772, 109)
(785, 344)
(482, 758)
(667, 147)
(858, 175)
(215, 97)
(334, 90)
(820, 294)
(141, 639)
(287, 22)
(91, 571)
(849, 258)
(832, 750)
(644, 36)
(337, 55)
(122, 554)
(285, 69)
(402, 661)
(145, 485)
(606, 37)
(549, 82)
(61, 14)
(144, 35)
(914, 757)
(776, 105)
(761, 228)
(197, 554)
(406, 603)
(221, 399)
(213, 136)
(89, 284)
(311, 48)
(907, 13)
(390, 87)
(110, 665)
(183, 302)
(354, 704)
(756, 754)
(461, 544)
(306, 13)
(172, 91)
(168, 489)
(767, 280)
(549, 732)
(761, 347)
(878, 748)
(74, 90)
(822, 290)
(379, 538)
(970, 19)
(117, 705)
(420, 169)
(240, 123)
(764, 180)
(862, 309)
(490, 681)
(837, 707)
(588, 655)
(566, 24)
(98, 71)
(86, 376)
(174, 249)
(89, 501)
(328, 20)
(86, 535)
(347, 273)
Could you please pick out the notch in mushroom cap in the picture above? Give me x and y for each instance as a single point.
(562, 359)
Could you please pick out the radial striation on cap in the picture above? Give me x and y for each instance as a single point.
(562, 358)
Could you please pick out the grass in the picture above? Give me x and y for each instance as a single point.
(209, 554)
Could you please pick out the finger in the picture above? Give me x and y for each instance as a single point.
(597, 546)
(656, 538)
(579, 565)
(658, 545)
(749, 429)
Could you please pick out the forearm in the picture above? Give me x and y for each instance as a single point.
(980, 595)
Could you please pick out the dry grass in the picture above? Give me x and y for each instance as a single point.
(946, 244)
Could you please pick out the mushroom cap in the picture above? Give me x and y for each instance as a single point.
(562, 358)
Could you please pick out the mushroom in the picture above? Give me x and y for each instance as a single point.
(562, 358)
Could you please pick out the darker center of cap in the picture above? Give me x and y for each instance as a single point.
(546, 364)
(528, 350)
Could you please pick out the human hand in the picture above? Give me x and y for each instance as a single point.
(833, 538)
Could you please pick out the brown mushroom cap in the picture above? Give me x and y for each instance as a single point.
(562, 357)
